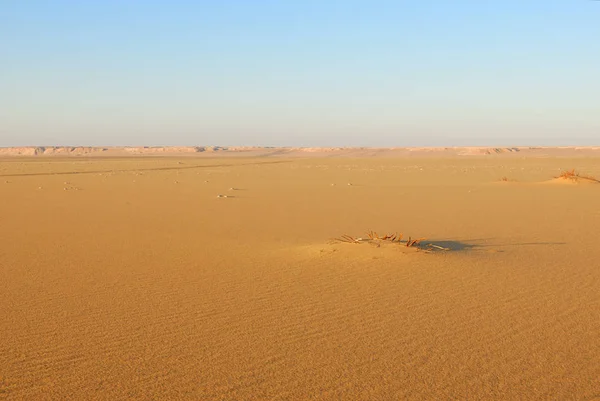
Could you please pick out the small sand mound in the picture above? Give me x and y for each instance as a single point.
(359, 252)
(360, 249)
(382, 245)
(573, 177)
(393, 241)
(573, 180)
(374, 246)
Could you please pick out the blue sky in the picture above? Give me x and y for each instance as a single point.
(300, 73)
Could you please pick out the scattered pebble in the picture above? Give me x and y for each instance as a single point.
(333, 185)
(40, 187)
(349, 184)
(222, 196)
(233, 189)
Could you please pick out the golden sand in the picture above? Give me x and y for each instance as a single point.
(129, 278)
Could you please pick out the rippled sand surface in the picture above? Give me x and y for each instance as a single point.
(129, 278)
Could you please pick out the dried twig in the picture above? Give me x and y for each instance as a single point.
(438, 247)
(414, 242)
(349, 239)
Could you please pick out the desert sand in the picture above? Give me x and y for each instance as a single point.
(126, 276)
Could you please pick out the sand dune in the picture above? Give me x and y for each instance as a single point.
(577, 181)
(128, 278)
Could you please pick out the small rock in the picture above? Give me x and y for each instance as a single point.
(222, 196)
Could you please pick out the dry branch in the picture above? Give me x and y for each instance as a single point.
(414, 242)
(574, 175)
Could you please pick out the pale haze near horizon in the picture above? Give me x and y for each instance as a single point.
(310, 73)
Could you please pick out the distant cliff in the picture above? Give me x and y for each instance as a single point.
(88, 150)
(257, 151)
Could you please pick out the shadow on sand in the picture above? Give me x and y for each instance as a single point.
(448, 245)
(480, 244)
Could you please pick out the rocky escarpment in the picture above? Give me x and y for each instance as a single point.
(257, 151)
(487, 151)
(51, 150)
(90, 150)
(171, 149)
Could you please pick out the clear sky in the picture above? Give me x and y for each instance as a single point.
(300, 72)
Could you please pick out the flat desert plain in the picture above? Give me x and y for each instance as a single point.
(130, 278)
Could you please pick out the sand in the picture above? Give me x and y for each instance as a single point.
(129, 278)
